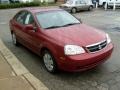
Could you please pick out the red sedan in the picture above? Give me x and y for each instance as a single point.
(63, 41)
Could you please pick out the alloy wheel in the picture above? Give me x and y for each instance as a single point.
(73, 10)
(48, 61)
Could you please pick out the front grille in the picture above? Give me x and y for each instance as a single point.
(97, 46)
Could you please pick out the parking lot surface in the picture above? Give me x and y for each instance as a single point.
(103, 77)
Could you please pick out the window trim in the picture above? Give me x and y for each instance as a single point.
(25, 18)
(16, 16)
(32, 17)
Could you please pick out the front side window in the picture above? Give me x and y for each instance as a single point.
(53, 19)
(29, 19)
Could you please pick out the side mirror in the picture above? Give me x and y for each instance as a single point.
(30, 27)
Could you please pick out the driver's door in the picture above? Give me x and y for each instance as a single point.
(32, 35)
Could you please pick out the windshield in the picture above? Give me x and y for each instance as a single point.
(54, 19)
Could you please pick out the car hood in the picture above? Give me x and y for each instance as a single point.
(79, 34)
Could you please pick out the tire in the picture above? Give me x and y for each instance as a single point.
(90, 8)
(73, 10)
(111, 7)
(104, 5)
(49, 62)
(14, 39)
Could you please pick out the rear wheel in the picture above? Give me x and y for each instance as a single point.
(73, 10)
(104, 5)
(49, 62)
(90, 8)
(14, 39)
(111, 7)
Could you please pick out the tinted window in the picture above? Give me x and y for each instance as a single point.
(20, 17)
(29, 19)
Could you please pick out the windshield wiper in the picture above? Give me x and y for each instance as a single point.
(61, 26)
(69, 24)
(52, 27)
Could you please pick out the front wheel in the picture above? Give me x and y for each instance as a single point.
(73, 10)
(90, 8)
(49, 62)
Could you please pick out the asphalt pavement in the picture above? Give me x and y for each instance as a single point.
(103, 77)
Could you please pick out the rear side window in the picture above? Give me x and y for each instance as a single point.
(20, 17)
(81, 1)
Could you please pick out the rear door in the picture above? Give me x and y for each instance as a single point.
(81, 4)
(18, 26)
(85, 3)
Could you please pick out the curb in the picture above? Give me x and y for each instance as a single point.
(19, 69)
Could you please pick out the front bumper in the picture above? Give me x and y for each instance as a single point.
(85, 61)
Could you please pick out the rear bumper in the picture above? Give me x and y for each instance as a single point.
(66, 8)
(85, 61)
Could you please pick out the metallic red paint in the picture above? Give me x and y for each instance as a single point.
(55, 40)
(85, 61)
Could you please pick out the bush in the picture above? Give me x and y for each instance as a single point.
(19, 5)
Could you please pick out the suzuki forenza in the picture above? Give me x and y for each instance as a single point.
(63, 41)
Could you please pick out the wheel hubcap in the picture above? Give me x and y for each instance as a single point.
(90, 8)
(14, 38)
(48, 61)
(74, 10)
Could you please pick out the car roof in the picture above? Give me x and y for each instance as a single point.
(36, 10)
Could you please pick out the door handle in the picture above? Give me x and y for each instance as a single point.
(31, 31)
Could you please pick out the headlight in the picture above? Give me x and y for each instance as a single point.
(73, 50)
(108, 39)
